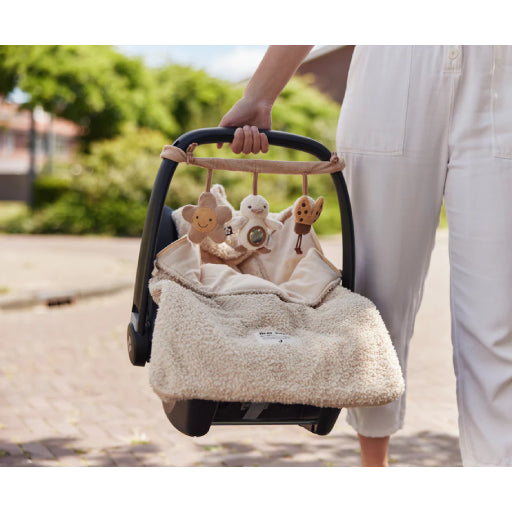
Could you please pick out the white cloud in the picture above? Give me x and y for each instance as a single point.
(237, 64)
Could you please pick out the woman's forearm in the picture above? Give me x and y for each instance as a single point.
(275, 70)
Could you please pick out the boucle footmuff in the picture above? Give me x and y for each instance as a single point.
(266, 326)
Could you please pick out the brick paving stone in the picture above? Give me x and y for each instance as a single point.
(154, 461)
(98, 458)
(61, 447)
(94, 436)
(18, 435)
(39, 403)
(37, 451)
(64, 428)
(39, 426)
(123, 458)
(11, 454)
(16, 462)
(72, 462)
(69, 393)
(181, 456)
(236, 460)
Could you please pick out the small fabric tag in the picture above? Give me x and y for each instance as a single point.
(274, 337)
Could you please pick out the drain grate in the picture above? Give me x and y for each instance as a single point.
(59, 301)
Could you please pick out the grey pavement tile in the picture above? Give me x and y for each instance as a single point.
(18, 435)
(39, 426)
(75, 461)
(123, 458)
(11, 455)
(425, 449)
(64, 428)
(94, 436)
(36, 450)
(98, 458)
(62, 448)
(16, 462)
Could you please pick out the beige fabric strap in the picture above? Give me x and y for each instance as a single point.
(209, 180)
(255, 166)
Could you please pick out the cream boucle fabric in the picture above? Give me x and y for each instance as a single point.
(228, 336)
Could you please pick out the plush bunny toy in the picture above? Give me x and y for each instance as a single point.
(253, 224)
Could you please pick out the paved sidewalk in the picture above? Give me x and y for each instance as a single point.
(37, 269)
(70, 397)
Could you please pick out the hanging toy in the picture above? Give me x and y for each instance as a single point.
(253, 225)
(305, 212)
(207, 219)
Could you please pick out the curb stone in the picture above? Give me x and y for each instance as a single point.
(54, 298)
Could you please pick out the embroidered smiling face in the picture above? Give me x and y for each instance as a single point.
(206, 219)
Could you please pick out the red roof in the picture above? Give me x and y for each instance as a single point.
(12, 117)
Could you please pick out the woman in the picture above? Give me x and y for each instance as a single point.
(418, 124)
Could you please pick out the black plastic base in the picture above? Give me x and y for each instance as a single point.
(194, 417)
(191, 417)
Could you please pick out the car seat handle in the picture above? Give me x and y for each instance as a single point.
(163, 179)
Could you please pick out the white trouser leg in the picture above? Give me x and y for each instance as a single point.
(396, 190)
(395, 234)
(458, 129)
(479, 209)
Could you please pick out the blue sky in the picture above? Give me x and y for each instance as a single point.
(233, 63)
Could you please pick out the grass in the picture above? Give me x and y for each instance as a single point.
(10, 210)
(211, 447)
(140, 441)
(138, 438)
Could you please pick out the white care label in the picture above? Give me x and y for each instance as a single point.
(274, 337)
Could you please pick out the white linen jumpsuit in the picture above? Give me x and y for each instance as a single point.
(419, 123)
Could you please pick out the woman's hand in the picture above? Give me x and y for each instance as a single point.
(249, 115)
(253, 111)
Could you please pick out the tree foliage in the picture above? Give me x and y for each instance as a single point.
(93, 86)
(128, 112)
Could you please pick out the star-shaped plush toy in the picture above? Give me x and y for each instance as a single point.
(206, 219)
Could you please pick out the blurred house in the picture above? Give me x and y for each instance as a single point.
(328, 65)
(55, 139)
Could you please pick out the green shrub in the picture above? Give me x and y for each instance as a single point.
(107, 189)
(48, 189)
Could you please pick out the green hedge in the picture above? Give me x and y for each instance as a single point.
(49, 189)
(107, 189)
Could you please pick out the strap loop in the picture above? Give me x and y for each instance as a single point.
(209, 180)
(305, 184)
(255, 183)
(175, 154)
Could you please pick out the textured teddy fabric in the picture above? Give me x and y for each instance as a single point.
(225, 252)
(227, 336)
